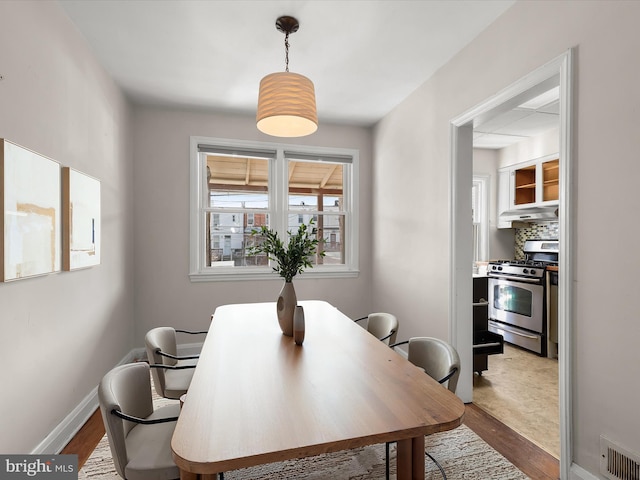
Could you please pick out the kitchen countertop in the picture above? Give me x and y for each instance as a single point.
(552, 268)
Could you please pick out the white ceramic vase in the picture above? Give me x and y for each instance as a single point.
(286, 306)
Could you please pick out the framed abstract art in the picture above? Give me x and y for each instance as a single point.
(31, 213)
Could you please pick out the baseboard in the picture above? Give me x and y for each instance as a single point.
(579, 473)
(401, 352)
(190, 348)
(67, 428)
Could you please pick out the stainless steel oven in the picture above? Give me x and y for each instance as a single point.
(518, 297)
(517, 312)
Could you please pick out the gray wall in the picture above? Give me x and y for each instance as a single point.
(64, 331)
(60, 333)
(164, 293)
(607, 328)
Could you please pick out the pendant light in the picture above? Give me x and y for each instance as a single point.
(287, 101)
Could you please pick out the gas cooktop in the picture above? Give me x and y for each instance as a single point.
(539, 255)
(528, 263)
(517, 268)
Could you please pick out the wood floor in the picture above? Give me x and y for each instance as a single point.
(530, 459)
(87, 438)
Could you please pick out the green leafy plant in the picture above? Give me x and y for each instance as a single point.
(293, 258)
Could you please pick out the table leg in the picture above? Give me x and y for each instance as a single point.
(417, 462)
(410, 459)
(184, 475)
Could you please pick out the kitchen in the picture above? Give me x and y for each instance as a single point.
(516, 250)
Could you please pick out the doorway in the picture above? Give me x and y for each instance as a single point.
(559, 70)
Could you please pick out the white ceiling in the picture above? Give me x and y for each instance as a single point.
(364, 56)
(519, 123)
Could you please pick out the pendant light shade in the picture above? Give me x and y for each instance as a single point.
(287, 101)
(287, 105)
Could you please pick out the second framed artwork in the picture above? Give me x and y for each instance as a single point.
(80, 220)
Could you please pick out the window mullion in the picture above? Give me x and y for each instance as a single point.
(280, 190)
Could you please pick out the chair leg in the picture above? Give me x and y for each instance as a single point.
(444, 475)
(386, 446)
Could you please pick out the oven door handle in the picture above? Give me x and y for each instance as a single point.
(516, 279)
(505, 329)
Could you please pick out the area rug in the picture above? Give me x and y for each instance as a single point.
(462, 454)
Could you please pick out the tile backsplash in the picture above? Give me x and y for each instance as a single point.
(532, 231)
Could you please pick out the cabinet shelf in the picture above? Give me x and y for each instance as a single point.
(528, 185)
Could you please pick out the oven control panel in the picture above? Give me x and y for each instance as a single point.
(516, 270)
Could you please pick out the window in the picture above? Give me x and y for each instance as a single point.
(237, 187)
(480, 215)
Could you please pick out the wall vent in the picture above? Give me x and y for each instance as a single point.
(617, 463)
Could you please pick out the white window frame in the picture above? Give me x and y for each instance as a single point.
(481, 214)
(278, 209)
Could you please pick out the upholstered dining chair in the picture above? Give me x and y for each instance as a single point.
(383, 326)
(441, 362)
(139, 437)
(436, 357)
(171, 373)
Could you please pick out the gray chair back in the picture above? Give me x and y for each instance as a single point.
(436, 357)
(164, 339)
(380, 325)
(126, 388)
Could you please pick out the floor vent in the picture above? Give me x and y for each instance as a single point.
(616, 463)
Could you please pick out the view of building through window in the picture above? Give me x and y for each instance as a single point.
(239, 204)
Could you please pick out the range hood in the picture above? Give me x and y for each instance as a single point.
(530, 215)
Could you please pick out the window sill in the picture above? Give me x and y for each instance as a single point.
(228, 276)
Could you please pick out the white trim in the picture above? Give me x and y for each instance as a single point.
(65, 430)
(264, 274)
(579, 473)
(461, 280)
(62, 434)
(566, 228)
(277, 198)
(559, 70)
(484, 180)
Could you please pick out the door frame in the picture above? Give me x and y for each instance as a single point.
(558, 71)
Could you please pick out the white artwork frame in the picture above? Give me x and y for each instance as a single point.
(81, 220)
(30, 213)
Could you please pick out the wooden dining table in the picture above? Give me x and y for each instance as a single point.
(256, 397)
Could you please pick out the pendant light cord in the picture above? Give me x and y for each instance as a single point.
(286, 50)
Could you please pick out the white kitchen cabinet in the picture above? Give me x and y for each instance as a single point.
(505, 194)
(536, 184)
(527, 185)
